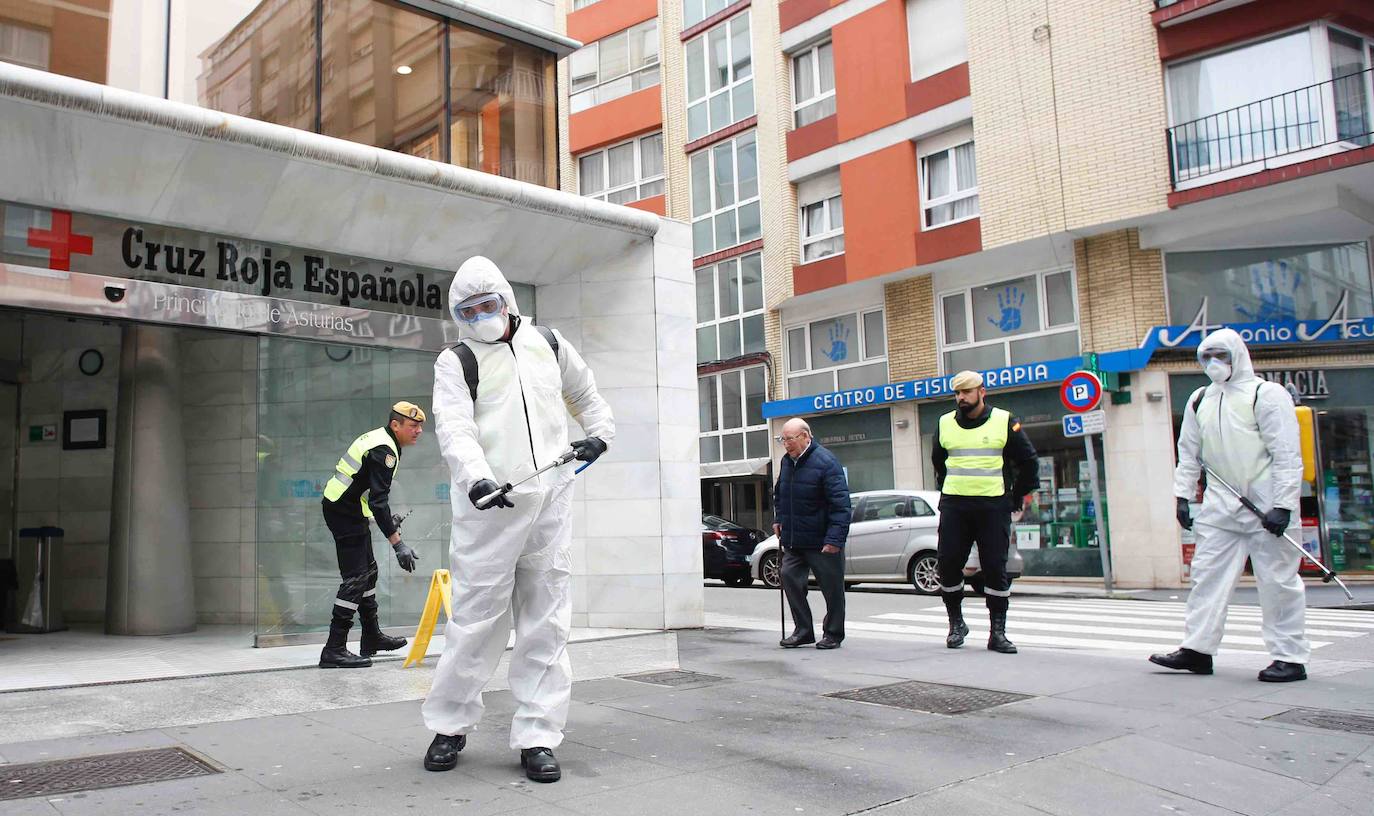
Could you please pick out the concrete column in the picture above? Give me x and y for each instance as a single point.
(149, 588)
(1139, 453)
(907, 454)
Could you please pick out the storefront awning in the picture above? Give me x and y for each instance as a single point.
(739, 467)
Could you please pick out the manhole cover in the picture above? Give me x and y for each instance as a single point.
(100, 771)
(1330, 720)
(673, 678)
(936, 698)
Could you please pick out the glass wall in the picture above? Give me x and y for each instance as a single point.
(1269, 284)
(313, 400)
(70, 37)
(862, 441)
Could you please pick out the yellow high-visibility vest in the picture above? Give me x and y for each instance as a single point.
(975, 455)
(352, 461)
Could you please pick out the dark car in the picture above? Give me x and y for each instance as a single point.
(726, 548)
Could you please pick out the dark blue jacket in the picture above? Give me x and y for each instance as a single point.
(811, 500)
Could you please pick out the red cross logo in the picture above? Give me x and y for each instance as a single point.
(60, 241)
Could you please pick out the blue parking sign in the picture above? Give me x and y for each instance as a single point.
(1073, 425)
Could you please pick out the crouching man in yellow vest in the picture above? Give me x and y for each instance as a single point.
(356, 492)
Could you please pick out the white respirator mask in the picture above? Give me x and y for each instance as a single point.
(1217, 371)
(483, 315)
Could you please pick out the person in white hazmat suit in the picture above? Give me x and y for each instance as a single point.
(1246, 430)
(510, 560)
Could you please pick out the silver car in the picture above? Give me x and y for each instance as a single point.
(892, 540)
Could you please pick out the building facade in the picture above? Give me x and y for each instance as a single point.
(227, 247)
(1018, 188)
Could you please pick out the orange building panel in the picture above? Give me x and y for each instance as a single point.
(881, 203)
(606, 17)
(655, 204)
(872, 69)
(617, 120)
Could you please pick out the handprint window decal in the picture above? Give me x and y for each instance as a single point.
(1009, 304)
(838, 351)
(1275, 287)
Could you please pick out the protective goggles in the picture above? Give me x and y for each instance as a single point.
(479, 307)
(1219, 354)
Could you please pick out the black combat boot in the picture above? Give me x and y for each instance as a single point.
(374, 640)
(1281, 671)
(997, 636)
(957, 628)
(443, 752)
(1195, 662)
(540, 765)
(335, 654)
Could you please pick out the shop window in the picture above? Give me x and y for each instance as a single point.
(730, 406)
(837, 353)
(614, 66)
(720, 77)
(725, 195)
(730, 308)
(862, 441)
(949, 186)
(1010, 322)
(630, 171)
(813, 84)
(936, 36)
(1271, 284)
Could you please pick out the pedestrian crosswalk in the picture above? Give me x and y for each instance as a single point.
(1090, 624)
(1113, 625)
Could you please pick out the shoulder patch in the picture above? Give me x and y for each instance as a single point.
(1015, 426)
(390, 461)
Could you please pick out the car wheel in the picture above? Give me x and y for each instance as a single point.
(739, 580)
(769, 572)
(924, 573)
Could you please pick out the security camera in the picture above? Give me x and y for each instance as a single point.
(114, 293)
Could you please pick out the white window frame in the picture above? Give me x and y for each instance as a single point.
(745, 429)
(640, 181)
(691, 16)
(826, 204)
(597, 93)
(10, 32)
(1045, 330)
(928, 204)
(866, 355)
(740, 315)
(581, 4)
(737, 204)
(798, 104)
(735, 81)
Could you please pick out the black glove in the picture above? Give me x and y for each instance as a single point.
(589, 449)
(405, 556)
(1181, 513)
(485, 487)
(1276, 520)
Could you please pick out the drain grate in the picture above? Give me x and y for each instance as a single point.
(936, 698)
(1323, 718)
(99, 771)
(673, 678)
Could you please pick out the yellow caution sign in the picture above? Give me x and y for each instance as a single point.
(440, 590)
(1307, 442)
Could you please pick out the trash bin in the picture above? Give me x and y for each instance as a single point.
(40, 602)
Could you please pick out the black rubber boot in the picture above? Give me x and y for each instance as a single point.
(443, 752)
(374, 640)
(540, 765)
(1195, 662)
(957, 628)
(335, 654)
(997, 636)
(1281, 671)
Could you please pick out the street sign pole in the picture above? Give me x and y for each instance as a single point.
(1097, 513)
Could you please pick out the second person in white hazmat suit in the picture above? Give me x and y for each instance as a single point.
(510, 560)
(1244, 429)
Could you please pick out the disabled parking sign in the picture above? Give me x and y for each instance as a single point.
(1081, 392)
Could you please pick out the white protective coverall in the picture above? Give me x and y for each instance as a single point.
(1245, 429)
(510, 560)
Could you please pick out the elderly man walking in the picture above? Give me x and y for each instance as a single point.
(812, 511)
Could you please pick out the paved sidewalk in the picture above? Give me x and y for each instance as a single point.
(1097, 734)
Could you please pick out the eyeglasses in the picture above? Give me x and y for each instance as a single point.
(1221, 355)
(786, 439)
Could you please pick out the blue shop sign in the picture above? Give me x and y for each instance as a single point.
(1339, 328)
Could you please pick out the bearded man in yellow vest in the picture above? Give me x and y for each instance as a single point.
(974, 447)
(358, 491)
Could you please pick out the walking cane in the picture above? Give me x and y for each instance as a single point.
(564, 458)
(1327, 575)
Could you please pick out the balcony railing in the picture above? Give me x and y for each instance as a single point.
(1331, 113)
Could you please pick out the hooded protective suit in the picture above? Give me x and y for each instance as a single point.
(1244, 429)
(517, 424)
